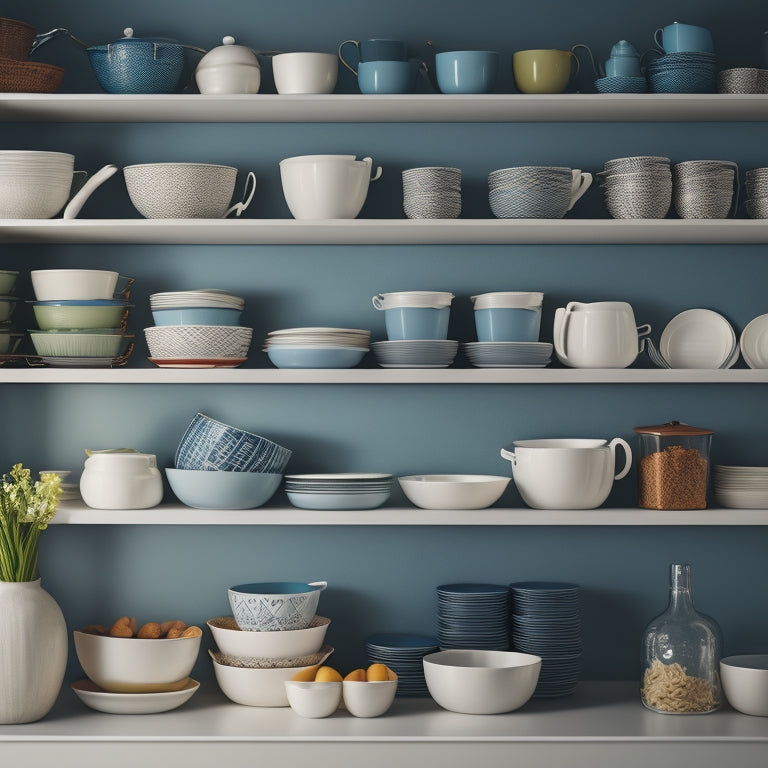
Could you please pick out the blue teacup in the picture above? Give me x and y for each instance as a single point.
(375, 49)
(623, 66)
(508, 324)
(466, 71)
(388, 76)
(679, 38)
(416, 323)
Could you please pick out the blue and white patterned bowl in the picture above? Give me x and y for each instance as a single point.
(275, 605)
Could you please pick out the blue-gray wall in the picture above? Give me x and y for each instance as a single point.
(383, 578)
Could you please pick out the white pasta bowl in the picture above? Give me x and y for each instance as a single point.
(745, 682)
(73, 284)
(481, 682)
(453, 491)
(290, 643)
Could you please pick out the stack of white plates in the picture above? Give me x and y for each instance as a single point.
(754, 342)
(741, 487)
(427, 353)
(699, 338)
(508, 354)
(204, 297)
(317, 347)
(338, 490)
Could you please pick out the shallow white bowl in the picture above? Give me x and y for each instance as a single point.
(369, 699)
(745, 682)
(73, 284)
(291, 643)
(481, 682)
(453, 491)
(135, 665)
(313, 699)
(132, 703)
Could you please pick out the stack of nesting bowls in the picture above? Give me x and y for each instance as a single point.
(197, 329)
(704, 189)
(34, 184)
(317, 347)
(638, 187)
(432, 193)
(683, 72)
(218, 466)
(535, 192)
(757, 193)
(81, 317)
(9, 339)
(273, 634)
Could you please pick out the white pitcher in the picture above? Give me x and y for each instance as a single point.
(602, 334)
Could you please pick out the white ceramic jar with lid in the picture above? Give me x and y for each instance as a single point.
(121, 480)
(229, 68)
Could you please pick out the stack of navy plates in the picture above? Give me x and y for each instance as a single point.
(473, 616)
(546, 622)
(508, 354)
(429, 353)
(403, 654)
(338, 490)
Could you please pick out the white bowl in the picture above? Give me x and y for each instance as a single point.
(135, 665)
(453, 491)
(745, 682)
(255, 687)
(369, 699)
(292, 643)
(313, 699)
(326, 186)
(303, 72)
(73, 284)
(481, 682)
(34, 185)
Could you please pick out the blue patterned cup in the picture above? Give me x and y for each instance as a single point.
(275, 605)
(466, 71)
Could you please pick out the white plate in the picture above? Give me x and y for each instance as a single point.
(336, 476)
(698, 338)
(132, 703)
(754, 342)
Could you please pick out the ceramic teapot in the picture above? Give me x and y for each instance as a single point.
(229, 68)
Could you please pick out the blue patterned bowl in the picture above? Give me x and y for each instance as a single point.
(621, 84)
(275, 605)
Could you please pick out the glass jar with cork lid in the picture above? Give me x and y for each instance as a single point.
(673, 466)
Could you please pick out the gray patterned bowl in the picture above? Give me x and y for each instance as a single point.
(184, 190)
(275, 605)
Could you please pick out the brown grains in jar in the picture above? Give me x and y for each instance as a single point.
(675, 478)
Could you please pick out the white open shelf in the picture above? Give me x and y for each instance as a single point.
(358, 108)
(385, 231)
(73, 513)
(602, 723)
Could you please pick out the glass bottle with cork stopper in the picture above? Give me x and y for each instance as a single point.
(673, 466)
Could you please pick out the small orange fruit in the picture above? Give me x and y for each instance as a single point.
(377, 673)
(327, 675)
(357, 675)
(305, 675)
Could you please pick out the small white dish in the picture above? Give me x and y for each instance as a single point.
(698, 338)
(132, 703)
(314, 700)
(754, 342)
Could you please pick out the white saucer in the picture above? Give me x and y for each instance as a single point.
(698, 338)
(132, 703)
(754, 342)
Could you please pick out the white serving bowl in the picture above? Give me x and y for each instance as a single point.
(481, 682)
(745, 682)
(73, 284)
(453, 491)
(292, 643)
(255, 687)
(136, 665)
(326, 186)
(369, 699)
(313, 699)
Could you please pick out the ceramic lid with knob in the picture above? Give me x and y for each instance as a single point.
(624, 48)
(229, 54)
(673, 429)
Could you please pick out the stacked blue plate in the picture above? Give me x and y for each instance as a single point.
(344, 490)
(427, 353)
(508, 354)
(546, 621)
(473, 616)
(403, 654)
(683, 72)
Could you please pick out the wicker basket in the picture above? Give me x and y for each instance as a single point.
(16, 38)
(29, 76)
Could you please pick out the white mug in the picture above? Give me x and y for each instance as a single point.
(304, 73)
(598, 335)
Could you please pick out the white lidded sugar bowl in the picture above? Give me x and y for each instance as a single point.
(121, 480)
(228, 68)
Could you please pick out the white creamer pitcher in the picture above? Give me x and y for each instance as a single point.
(602, 334)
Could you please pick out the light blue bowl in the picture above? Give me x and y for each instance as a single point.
(508, 324)
(412, 323)
(197, 316)
(274, 605)
(331, 501)
(203, 489)
(315, 357)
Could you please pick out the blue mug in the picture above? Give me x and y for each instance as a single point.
(416, 323)
(388, 76)
(375, 49)
(678, 38)
(623, 66)
(466, 71)
(508, 324)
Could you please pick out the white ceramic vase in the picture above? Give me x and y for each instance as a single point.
(34, 641)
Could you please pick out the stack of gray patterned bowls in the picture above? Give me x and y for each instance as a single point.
(757, 193)
(704, 189)
(432, 193)
(638, 187)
